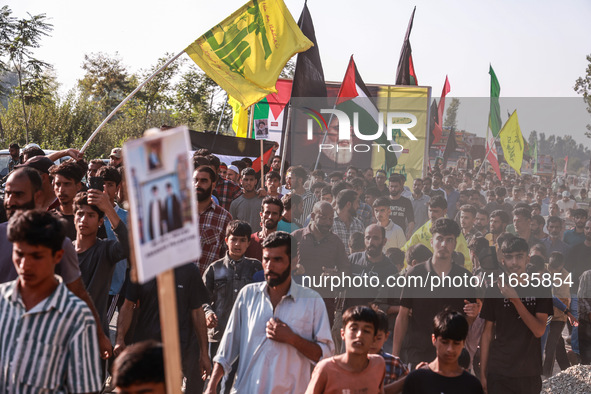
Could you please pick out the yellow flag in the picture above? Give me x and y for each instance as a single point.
(512, 142)
(246, 52)
(240, 120)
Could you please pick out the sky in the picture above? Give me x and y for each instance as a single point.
(537, 48)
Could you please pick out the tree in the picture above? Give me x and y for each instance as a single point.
(18, 39)
(158, 94)
(583, 87)
(106, 81)
(451, 114)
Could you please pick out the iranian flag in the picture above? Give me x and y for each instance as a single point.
(494, 122)
(354, 97)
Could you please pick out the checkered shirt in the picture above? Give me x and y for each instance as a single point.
(394, 368)
(212, 230)
(340, 229)
(226, 192)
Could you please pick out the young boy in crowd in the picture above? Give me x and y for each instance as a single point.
(98, 257)
(395, 370)
(355, 371)
(444, 374)
(140, 369)
(510, 347)
(224, 279)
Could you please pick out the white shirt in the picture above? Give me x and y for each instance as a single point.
(394, 235)
(565, 206)
(267, 366)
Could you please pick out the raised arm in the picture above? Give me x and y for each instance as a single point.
(400, 329)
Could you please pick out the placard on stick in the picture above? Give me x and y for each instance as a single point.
(159, 180)
(164, 227)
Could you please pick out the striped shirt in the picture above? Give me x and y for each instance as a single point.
(52, 348)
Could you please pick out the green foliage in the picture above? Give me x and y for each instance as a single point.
(18, 39)
(106, 82)
(179, 95)
(560, 147)
(451, 114)
(583, 87)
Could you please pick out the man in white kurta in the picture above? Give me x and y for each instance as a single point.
(277, 327)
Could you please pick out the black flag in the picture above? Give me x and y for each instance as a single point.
(405, 73)
(450, 147)
(308, 80)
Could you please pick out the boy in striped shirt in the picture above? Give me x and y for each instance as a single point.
(47, 334)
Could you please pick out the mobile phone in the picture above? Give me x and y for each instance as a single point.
(96, 182)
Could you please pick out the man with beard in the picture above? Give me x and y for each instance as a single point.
(213, 219)
(481, 222)
(371, 263)
(499, 220)
(436, 188)
(23, 189)
(402, 211)
(345, 223)
(270, 214)
(553, 242)
(320, 251)
(42, 164)
(576, 235)
(499, 202)
(279, 329)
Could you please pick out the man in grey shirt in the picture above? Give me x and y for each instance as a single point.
(247, 207)
(23, 192)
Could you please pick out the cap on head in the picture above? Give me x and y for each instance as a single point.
(40, 163)
(116, 153)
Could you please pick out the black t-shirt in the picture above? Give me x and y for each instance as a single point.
(71, 227)
(402, 212)
(514, 351)
(425, 381)
(361, 266)
(426, 303)
(190, 294)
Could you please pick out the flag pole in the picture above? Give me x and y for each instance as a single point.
(121, 104)
(487, 152)
(285, 138)
(217, 131)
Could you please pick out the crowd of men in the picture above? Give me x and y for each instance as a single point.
(274, 303)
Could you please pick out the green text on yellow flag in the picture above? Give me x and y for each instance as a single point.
(246, 52)
(512, 143)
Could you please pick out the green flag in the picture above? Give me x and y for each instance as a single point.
(536, 156)
(495, 107)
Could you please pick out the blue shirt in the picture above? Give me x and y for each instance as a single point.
(572, 238)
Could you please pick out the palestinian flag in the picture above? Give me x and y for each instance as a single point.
(354, 97)
(272, 111)
(229, 148)
(405, 73)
